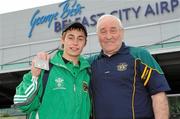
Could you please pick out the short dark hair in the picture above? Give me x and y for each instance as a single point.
(75, 25)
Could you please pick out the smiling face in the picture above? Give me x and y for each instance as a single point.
(110, 34)
(73, 41)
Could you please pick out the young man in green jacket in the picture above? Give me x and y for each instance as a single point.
(66, 93)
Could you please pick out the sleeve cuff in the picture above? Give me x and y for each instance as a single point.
(35, 79)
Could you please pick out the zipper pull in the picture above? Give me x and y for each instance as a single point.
(74, 87)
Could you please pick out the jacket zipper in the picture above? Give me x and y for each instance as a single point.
(74, 87)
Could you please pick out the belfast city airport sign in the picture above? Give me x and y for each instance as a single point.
(72, 10)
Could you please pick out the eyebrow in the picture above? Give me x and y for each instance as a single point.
(81, 36)
(114, 27)
(78, 36)
(110, 28)
(70, 35)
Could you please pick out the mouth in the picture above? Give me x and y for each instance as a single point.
(109, 42)
(74, 48)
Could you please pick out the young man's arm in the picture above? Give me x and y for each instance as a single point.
(26, 97)
(27, 93)
(160, 106)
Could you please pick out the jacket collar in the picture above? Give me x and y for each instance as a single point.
(58, 60)
(123, 50)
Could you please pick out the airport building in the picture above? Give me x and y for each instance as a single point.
(152, 24)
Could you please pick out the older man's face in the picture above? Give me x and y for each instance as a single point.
(110, 35)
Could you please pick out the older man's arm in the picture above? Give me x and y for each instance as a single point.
(160, 105)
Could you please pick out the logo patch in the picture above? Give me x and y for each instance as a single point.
(59, 84)
(85, 86)
(122, 66)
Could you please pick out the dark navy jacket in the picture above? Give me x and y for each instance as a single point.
(122, 84)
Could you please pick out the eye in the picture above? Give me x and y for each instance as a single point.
(70, 37)
(81, 39)
(113, 30)
(103, 31)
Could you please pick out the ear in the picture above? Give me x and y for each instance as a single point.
(85, 42)
(62, 40)
(122, 34)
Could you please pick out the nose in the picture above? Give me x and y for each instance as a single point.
(75, 42)
(108, 36)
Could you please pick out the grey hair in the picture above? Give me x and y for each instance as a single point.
(108, 15)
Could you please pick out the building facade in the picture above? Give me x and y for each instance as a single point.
(153, 24)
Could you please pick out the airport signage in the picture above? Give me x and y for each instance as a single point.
(72, 10)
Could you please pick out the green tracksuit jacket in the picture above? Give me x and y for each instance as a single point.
(66, 95)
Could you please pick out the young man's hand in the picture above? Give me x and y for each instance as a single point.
(41, 59)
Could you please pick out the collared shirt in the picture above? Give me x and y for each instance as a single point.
(71, 66)
(122, 84)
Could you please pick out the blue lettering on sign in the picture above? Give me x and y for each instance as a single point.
(37, 20)
(161, 7)
(70, 8)
(149, 10)
(59, 26)
(174, 4)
